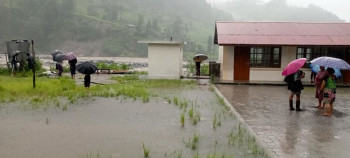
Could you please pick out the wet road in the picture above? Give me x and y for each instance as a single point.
(290, 133)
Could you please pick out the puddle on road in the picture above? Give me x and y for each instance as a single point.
(111, 127)
(290, 133)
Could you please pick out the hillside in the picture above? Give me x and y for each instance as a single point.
(109, 27)
(113, 27)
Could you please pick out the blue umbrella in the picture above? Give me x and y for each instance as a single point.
(315, 68)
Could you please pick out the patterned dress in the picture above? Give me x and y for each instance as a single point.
(330, 89)
(318, 83)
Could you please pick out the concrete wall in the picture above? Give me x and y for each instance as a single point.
(165, 61)
(227, 69)
(288, 54)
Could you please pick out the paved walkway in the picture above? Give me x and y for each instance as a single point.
(290, 133)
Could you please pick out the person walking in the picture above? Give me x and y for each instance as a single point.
(72, 68)
(87, 81)
(329, 87)
(318, 83)
(197, 60)
(295, 86)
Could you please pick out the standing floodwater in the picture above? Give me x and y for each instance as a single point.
(118, 128)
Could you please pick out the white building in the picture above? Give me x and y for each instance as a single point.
(164, 59)
(259, 51)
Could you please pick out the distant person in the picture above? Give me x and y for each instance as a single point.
(197, 60)
(312, 77)
(30, 61)
(318, 83)
(72, 68)
(295, 86)
(59, 69)
(329, 87)
(14, 65)
(87, 81)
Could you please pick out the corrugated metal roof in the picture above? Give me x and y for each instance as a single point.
(282, 33)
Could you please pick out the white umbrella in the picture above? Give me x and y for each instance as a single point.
(201, 57)
(331, 62)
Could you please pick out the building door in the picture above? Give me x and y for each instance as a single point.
(241, 63)
(346, 73)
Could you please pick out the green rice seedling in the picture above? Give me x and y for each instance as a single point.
(211, 88)
(221, 100)
(64, 108)
(176, 101)
(183, 104)
(179, 155)
(214, 121)
(232, 137)
(194, 120)
(219, 123)
(183, 119)
(198, 116)
(196, 156)
(145, 98)
(145, 150)
(190, 112)
(168, 100)
(47, 120)
(36, 100)
(195, 138)
(240, 130)
(12, 99)
(193, 142)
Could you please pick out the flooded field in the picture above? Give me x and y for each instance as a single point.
(190, 122)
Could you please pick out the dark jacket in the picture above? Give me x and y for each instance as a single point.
(295, 85)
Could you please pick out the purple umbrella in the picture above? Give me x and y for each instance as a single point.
(331, 62)
(70, 56)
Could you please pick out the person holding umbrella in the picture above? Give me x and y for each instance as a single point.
(72, 60)
(87, 81)
(197, 60)
(293, 78)
(318, 82)
(86, 68)
(329, 87)
(59, 68)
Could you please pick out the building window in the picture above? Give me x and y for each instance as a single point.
(265, 57)
(311, 52)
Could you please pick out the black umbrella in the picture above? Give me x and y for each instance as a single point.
(58, 57)
(55, 53)
(86, 68)
(15, 53)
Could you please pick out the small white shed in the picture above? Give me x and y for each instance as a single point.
(164, 59)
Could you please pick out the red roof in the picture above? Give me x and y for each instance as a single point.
(282, 33)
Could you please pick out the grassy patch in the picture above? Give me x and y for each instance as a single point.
(47, 90)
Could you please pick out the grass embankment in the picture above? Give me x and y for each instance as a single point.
(50, 89)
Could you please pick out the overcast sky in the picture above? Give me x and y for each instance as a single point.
(341, 8)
